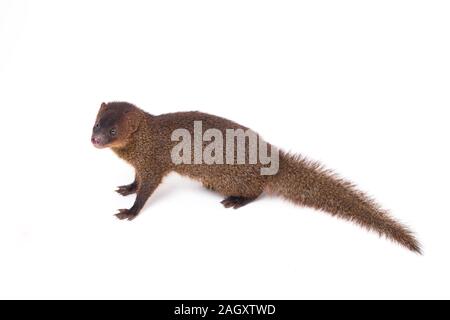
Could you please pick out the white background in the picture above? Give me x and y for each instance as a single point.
(362, 86)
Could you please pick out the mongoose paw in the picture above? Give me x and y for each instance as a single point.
(236, 202)
(125, 214)
(127, 190)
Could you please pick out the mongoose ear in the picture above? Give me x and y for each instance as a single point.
(133, 120)
(103, 105)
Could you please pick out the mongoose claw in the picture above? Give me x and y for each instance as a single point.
(125, 214)
(236, 202)
(126, 190)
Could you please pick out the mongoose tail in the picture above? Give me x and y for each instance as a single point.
(307, 183)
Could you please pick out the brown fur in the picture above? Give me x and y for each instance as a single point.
(144, 141)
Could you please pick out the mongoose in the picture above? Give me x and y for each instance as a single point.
(144, 141)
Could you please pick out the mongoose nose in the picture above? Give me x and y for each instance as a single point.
(99, 141)
(96, 141)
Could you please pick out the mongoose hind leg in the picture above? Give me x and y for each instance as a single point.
(236, 202)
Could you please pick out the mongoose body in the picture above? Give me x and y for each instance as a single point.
(145, 141)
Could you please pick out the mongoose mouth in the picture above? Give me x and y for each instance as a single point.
(98, 142)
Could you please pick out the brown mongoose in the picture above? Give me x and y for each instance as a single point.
(145, 141)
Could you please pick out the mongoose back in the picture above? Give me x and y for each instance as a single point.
(145, 141)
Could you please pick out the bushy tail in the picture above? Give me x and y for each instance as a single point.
(307, 183)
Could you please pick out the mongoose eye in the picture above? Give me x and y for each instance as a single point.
(97, 125)
(113, 132)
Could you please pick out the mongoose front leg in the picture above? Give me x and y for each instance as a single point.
(146, 187)
(236, 202)
(128, 189)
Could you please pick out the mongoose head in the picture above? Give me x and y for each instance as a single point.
(115, 124)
